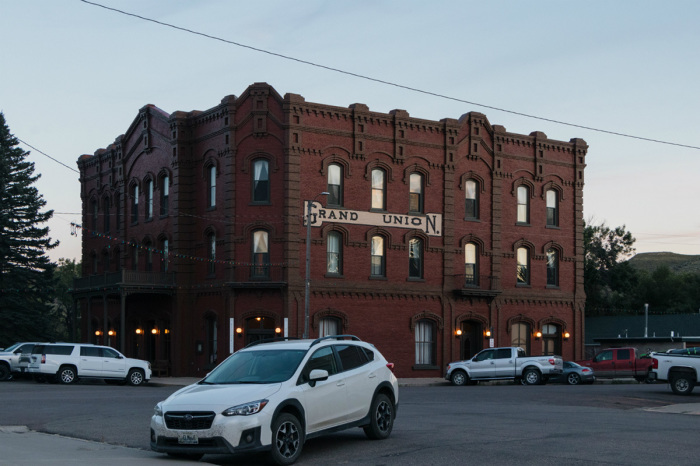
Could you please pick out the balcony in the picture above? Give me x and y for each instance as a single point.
(134, 280)
(251, 276)
(476, 285)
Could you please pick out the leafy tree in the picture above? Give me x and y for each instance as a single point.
(62, 306)
(609, 281)
(26, 273)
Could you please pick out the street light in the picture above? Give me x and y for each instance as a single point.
(308, 262)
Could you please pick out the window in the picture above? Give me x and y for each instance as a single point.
(134, 257)
(93, 206)
(164, 263)
(335, 185)
(118, 210)
(261, 185)
(329, 326)
(105, 212)
(551, 340)
(135, 204)
(378, 266)
(351, 356)
(322, 359)
(471, 277)
(211, 182)
(471, 201)
(261, 255)
(165, 195)
(334, 254)
(378, 189)
(212, 340)
(415, 258)
(523, 266)
(523, 204)
(105, 261)
(425, 343)
(552, 268)
(149, 256)
(520, 336)
(415, 197)
(552, 208)
(211, 253)
(149, 199)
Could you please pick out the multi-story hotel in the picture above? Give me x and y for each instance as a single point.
(429, 239)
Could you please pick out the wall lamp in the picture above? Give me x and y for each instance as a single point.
(111, 333)
(567, 335)
(458, 333)
(98, 333)
(278, 330)
(538, 335)
(154, 331)
(139, 331)
(239, 331)
(488, 333)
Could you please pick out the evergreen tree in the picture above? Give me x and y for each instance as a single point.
(26, 273)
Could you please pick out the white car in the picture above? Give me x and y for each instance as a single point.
(14, 359)
(68, 362)
(274, 396)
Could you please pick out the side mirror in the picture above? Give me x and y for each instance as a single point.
(317, 375)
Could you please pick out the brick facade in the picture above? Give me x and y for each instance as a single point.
(158, 275)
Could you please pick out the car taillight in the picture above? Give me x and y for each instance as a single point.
(585, 370)
(390, 365)
(43, 359)
(552, 361)
(654, 363)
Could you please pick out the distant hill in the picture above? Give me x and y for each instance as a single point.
(678, 263)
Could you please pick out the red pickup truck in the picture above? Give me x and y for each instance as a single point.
(619, 363)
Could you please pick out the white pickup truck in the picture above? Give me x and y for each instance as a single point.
(504, 364)
(679, 370)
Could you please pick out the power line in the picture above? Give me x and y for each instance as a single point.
(390, 83)
(47, 155)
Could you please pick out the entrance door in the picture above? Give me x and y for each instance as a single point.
(259, 328)
(472, 339)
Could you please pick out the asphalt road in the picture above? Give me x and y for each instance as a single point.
(488, 424)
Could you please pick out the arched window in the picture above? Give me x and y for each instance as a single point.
(165, 262)
(106, 213)
(523, 272)
(471, 200)
(165, 195)
(134, 257)
(149, 199)
(135, 203)
(551, 339)
(378, 189)
(334, 254)
(211, 185)
(261, 181)
(520, 335)
(378, 264)
(329, 326)
(93, 208)
(149, 255)
(415, 258)
(426, 345)
(552, 208)
(211, 253)
(415, 199)
(261, 255)
(335, 185)
(105, 261)
(471, 275)
(523, 194)
(552, 267)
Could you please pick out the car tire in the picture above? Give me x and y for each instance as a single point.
(573, 379)
(5, 373)
(287, 439)
(459, 378)
(532, 377)
(381, 418)
(135, 377)
(682, 383)
(67, 375)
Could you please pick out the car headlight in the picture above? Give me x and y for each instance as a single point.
(246, 409)
(158, 410)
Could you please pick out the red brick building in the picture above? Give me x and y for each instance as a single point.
(435, 238)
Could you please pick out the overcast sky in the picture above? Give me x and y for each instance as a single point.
(73, 77)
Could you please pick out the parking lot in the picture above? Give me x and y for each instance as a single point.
(492, 424)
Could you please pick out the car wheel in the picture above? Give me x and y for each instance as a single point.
(287, 439)
(573, 379)
(682, 384)
(532, 377)
(459, 378)
(381, 416)
(67, 375)
(135, 377)
(5, 373)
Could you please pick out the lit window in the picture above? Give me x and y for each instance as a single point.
(471, 278)
(334, 262)
(523, 273)
(523, 204)
(261, 255)
(378, 189)
(415, 200)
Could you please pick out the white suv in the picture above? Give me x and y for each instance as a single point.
(274, 396)
(68, 362)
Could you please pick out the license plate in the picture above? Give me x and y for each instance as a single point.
(188, 439)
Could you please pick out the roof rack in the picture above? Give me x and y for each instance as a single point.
(269, 340)
(334, 337)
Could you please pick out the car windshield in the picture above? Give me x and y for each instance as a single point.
(258, 366)
(10, 349)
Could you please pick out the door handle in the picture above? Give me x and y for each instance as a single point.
(371, 376)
